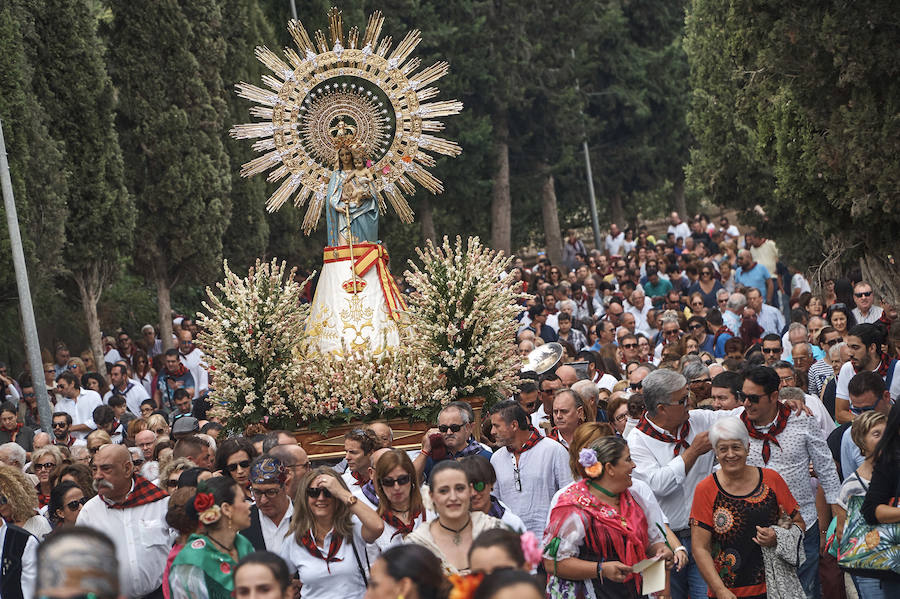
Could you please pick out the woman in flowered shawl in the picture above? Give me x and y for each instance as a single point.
(597, 530)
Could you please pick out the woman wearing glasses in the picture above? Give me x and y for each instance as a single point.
(399, 500)
(233, 459)
(707, 287)
(326, 545)
(43, 461)
(66, 500)
(482, 478)
(170, 473)
(450, 535)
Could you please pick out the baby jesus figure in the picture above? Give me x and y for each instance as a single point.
(357, 184)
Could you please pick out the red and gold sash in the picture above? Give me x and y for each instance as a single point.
(365, 256)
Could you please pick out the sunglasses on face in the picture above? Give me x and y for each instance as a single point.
(401, 481)
(862, 294)
(479, 486)
(455, 428)
(530, 405)
(636, 386)
(629, 345)
(315, 492)
(834, 341)
(45, 466)
(172, 482)
(269, 493)
(74, 505)
(242, 464)
(138, 461)
(696, 327)
(28, 394)
(749, 397)
(771, 350)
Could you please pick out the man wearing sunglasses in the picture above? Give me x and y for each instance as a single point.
(865, 311)
(270, 517)
(864, 342)
(455, 425)
(771, 348)
(787, 442)
(61, 436)
(867, 393)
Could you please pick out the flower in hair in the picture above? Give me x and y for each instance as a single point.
(207, 510)
(464, 586)
(594, 471)
(587, 457)
(203, 501)
(531, 549)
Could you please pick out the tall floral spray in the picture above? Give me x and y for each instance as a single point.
(250, 332)
(463, 312)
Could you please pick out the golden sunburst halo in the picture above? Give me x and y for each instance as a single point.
(364, 91)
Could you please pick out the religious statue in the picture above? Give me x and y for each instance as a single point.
(348, 126)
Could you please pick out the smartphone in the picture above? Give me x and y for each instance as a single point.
(438, 447)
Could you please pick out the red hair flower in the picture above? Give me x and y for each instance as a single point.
(203, 501)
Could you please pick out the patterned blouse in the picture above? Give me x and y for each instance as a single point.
(733, 519)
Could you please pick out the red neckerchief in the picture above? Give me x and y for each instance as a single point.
(310, 543)
(180, 371)
(403, 529)
(722, 330)
(42, 499)
(68, 443)
(784, 413)
(357, 480)
(14, 432)
(532, 440)
(144, 492)
(885, 322)
(680, 441)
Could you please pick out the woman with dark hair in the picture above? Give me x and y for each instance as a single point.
(482, 477)
(450, 535)
(495, 549)
(66, 500)
(94, 382)
(178, 519)
(399, 500)
(326, 544)
(509, 584)
(13, 431)
(262, 575)
(143, 370)
(407, 571)
(193, 477)
(840, 317)
(76, 473)
(597, 530)
(706, 287)
(202, 569)
(233, 458)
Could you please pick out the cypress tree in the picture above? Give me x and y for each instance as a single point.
(165, 59)
(71, 81)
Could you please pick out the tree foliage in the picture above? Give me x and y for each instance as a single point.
(795, 108)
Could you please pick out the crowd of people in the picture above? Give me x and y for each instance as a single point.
(713, 426)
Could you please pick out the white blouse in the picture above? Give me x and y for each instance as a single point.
(339, 579)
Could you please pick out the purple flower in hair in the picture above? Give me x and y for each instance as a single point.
(587, 457)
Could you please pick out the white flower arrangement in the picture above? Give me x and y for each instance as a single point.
(463, 312)
(249, 334)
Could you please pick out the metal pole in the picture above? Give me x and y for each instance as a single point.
(293, 10)
(595, 222)
(32, 345)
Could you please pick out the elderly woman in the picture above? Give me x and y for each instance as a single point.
(597, 530)
(43, 461)
(18, 502)
(450, 535)
(326, 545)
(171, 471)
(733, 513)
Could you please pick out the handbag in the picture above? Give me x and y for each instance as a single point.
(868, 550)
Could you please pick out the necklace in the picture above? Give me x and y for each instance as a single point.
(457, 538)
(606, 492)
(223, 546)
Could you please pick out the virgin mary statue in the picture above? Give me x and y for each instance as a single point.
(357, 306)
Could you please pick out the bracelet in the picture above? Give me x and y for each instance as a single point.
(600, 570)
(681, 548)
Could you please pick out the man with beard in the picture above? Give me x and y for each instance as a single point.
(864, 342)
(132, 511)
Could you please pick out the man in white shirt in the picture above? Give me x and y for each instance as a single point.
(192, 358)
(359, 445)
(132, 511)
(788, 443)
(638, 306)
(865, 312)
(134, 393)
(270, 518)
(678, 227)
(78, 403)
(530, 468)
(864, 342)
(728, 230)
(614, 240)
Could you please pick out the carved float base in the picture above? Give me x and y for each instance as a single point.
(331, 445)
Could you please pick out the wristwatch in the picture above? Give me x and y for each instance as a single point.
(352, 501)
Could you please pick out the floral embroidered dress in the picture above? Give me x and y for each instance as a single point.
(733, 519)
(584, 527)
(201, 571)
